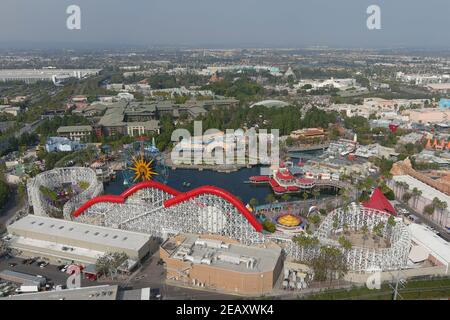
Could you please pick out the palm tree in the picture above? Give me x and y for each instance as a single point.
(365, 230)
(315, 193)
(442, 206)
(405, 187)
(416, 193)
(390, 225)
(406, 197)
(345, 243)
(344, 195)
(305, 196)
(359, 188)
(270, 198)
(436, 201)
(305, 241)
(429, 209)
(253, 202)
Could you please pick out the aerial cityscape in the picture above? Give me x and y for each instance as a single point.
(223, 172)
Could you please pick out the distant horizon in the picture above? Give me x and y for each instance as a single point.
(114, 46)
(297, 24)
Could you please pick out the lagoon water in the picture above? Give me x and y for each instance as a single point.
(233, 182)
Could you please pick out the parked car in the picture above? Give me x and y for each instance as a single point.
(12, 265)
(155, 294)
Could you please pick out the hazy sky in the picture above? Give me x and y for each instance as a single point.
(228, 23)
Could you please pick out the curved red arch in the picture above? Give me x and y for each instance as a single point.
(124, 195)
(178, 198)
(220, 193)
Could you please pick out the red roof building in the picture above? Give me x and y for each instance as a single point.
(284, 175)
(379, 201)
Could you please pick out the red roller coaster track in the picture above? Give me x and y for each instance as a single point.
(179, 197)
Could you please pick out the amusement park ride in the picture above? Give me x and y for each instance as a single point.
(144, 162)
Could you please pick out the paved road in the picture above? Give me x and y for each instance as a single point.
(423, 218)
(29, 127)
(11, 209)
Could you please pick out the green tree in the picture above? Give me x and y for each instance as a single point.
(345, 243)
(253, 202)
(316, 193)
(329, 264)
(305, 196)
(269, 226)
(4, 193)
(315, 219)
(285, 197)
(429, 209)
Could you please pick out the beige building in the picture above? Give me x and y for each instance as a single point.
(222, 264)
(428, 115)
(76, 133)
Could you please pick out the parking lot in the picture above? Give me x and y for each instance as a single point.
(51, 272)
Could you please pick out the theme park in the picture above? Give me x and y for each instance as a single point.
(252, 151)
(207, 236)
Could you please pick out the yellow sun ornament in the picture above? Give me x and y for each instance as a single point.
(142, 169)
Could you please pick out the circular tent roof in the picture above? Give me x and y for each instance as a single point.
(289, 220)
(270, 103)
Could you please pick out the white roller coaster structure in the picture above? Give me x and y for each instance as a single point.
(361, 258)
(54, 179)
(161, 211)
(156, 209)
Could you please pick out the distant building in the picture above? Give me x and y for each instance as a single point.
(444, 103)
(50, 114)
(129, 119)
(125, 96)
(439, 87)
(308, 133)
(62, 144)
(141, 128)
(12, 110)
(48, 74)
(270, 104)
(76, 133)
(428, 115)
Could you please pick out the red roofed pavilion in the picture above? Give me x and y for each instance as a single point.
(379, 201)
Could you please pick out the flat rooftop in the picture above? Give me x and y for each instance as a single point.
(42, 73)
(21, 277)
(68, 129)
(51, 227)
(224, 255)
(106, 292)
(431, 242)
(57, 250)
